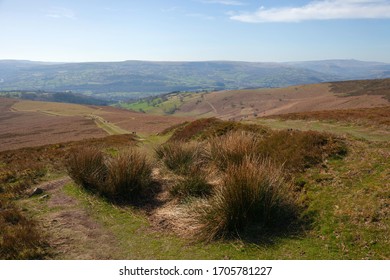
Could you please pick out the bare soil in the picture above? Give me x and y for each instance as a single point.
(71, 231)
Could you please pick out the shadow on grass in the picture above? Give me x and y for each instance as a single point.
(270, 236)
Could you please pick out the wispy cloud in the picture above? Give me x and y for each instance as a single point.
(224, 2)
(320, 10)
(170, 9)
(60, 12)
(200, 16)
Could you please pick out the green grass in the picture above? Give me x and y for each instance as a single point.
(350, 210)
(159, 105)
(347, 224)
(110, 128)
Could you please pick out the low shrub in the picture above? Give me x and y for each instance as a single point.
(254, 193)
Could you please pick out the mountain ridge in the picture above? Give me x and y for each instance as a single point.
(132, 79)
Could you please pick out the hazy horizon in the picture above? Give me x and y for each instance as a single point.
(195, 30)
(189, 61)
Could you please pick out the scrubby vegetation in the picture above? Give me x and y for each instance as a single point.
(20, 237)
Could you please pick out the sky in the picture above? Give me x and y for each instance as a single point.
(194, 30)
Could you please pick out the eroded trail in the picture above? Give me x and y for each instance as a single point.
(71, 231)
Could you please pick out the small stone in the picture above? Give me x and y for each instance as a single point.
(36, 191)
(44, 197)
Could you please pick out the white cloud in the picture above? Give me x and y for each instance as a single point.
(224, 2)
(60, 12)
(320, 10)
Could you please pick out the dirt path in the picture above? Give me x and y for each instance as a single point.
(71, 231)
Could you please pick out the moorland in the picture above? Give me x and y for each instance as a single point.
(300, 172)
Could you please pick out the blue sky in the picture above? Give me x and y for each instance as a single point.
(193, 30)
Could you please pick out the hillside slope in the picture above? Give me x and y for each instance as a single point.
(243, 104)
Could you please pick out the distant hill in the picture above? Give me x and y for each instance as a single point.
(252, 103)
(347, 69)
(134, 79)
(63, 97)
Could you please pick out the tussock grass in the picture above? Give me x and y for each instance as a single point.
(232, 148)
(87, 168)
(181, 157)
(295, 150)
(254, 193)
(123, 177)
(129, 174)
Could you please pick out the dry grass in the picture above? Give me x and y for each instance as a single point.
(363, 87)
(121, 178)
(295, 150)
(180, 157)
(87, 168)
(232, 148)
(253, 194)
(299, 150)
(129, 175)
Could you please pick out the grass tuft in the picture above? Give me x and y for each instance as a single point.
(87, 168)
(123, 177)
(254, 193)
(232, 148)
(129, 175)
(181, 157)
